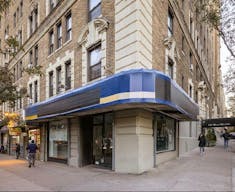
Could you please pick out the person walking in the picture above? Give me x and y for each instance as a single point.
(17, 151)
(226, 137)
(32, 149)
(202, 142)
(2, 148)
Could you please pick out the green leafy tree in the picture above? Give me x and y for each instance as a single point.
(8, 90)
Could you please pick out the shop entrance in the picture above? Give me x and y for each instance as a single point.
(97, 142)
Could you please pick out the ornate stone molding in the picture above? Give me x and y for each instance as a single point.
(99, 25)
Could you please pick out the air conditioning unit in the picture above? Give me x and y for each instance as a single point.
(191, 66)
(30, 65)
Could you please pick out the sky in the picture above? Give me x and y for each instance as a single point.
(224, 54)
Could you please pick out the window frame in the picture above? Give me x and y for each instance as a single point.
(36, 55)
(68, 78)
(170, 23)
(94, 9)
(164, 119)
(68, 30)
(91, 66)
(58, 79)
(59, 35)
(35, 91)
(51, 41)
(51, 84)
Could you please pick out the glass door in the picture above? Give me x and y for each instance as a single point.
(102, 140)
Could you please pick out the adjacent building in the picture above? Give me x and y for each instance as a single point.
(125, 83)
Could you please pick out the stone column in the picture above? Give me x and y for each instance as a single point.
(133, 34)
(133, 141)
(74, 135)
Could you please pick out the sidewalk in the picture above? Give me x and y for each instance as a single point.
(192, 172)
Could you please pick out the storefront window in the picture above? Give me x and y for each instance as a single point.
(34, 134)
(165, 133)
(58, 140)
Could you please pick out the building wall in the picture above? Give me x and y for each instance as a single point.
(133, 36)
(133, 141)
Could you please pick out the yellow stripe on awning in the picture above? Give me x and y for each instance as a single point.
(32, 117)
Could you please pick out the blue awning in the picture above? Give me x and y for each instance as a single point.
(134, 88)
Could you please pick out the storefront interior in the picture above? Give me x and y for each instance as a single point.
(96, 140)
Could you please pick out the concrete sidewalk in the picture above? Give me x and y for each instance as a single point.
(192, 172)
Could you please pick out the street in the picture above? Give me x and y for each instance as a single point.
(211, 172)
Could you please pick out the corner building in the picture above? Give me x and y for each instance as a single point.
(124, 84)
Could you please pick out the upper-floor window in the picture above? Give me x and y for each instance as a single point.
(190, 60)
(191, 26)
(59, 35)
(20, 39)
(170, 23)
(14, 19)
(183, 42)
(68, 27)
(21, 8)
(30, 24)
(21, 69)
(58, 80)
(7, 32)
(17, 14)
(68, 75)
(51, 84)
(31, 91)
(94, 9)
(35, 91)
(51, 41)
(31, 57)
(196, 97)
(190, 90)
(52, 4)
(95, 63)
(36, 55)
(170, 68)
(35, 18)
(14, 73)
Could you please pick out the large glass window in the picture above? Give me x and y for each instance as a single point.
(95, 63)
(58, 140)
(165, 133)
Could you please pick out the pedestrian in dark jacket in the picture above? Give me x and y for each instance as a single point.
(226, 137)
(32, 149)
(17, 151)
(202, 143)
